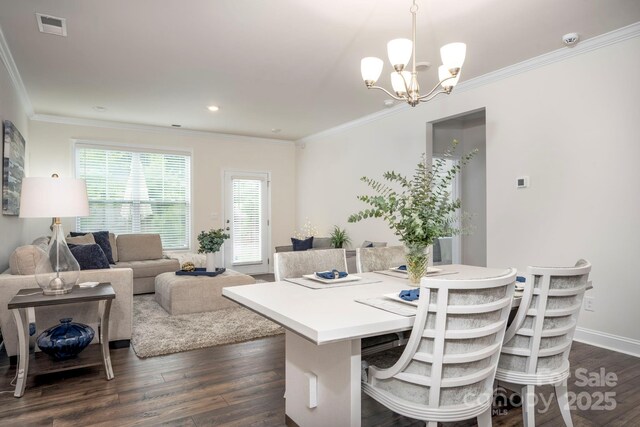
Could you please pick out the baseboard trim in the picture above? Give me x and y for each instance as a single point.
(609, 341)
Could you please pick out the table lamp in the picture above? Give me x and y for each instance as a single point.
(57, 270)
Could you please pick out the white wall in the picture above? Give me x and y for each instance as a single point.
(11, 227)
(51, 151)
(329, 172)
(567, 125)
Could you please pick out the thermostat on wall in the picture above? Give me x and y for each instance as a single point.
(522, 181)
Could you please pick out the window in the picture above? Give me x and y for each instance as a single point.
(247, 220)
(137, 192)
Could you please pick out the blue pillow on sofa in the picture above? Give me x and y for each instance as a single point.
(302, 245)
(102, 239)
(90, 257)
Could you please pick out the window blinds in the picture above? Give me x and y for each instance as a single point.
(137, 192)
(247, 220)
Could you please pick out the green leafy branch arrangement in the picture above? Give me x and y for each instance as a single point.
(421, 210)
(211, 241)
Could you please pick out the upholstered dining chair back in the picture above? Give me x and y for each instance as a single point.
(294, 264)
(378, 259)
(447, 369)
(537, 344)
(539, 339)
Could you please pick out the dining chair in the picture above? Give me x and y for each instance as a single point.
(378, 259)
(537, 343)
(297, 263)
(447, 369)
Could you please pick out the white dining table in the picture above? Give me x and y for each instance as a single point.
(323, 332)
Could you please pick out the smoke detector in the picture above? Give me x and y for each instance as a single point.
(570, 39)
(423, 66)
(52, 25)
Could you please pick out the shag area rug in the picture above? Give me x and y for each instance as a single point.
(155, 332)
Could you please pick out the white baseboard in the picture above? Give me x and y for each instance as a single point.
(608, 341)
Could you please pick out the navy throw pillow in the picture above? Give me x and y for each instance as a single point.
(102, 239)
(90, 257)
(302, 245)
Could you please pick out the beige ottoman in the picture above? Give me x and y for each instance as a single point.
(195, 294)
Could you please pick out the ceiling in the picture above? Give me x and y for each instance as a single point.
(279, 64)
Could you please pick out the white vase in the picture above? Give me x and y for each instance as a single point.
(211, 261)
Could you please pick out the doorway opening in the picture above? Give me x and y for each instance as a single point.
(470, 186)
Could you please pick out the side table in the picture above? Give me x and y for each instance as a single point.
(26, 298)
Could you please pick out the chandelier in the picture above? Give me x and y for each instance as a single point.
(405, 83)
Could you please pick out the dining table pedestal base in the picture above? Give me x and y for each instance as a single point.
(322, 382)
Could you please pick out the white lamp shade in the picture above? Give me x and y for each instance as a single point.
(371, 68)
(443, 73)
(453, 55)
(399, 51)
(53, 198)
(398, 81)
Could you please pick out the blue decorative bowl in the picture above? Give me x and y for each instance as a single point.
(65, 340)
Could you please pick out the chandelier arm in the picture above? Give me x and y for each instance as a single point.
(406, 86)
(434, 89)
(388, 93)
(423, 99)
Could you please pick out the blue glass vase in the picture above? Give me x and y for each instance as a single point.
(65, 340)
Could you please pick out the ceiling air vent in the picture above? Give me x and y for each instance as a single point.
(52, 25)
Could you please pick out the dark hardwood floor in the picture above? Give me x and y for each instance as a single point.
(243, 384)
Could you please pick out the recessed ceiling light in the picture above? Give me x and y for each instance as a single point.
(213, 108)
(276, 130)
(388, 103)
(423, 66)
(176, 126)
(100, 109)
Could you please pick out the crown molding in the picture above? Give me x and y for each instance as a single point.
(594, 43)
(14, 75)
(106, 124)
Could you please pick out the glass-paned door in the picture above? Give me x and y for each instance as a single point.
(247, 221)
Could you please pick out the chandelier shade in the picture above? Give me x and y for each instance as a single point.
(399, 52)
(453, 55)
(404, 82)
(371, 68)
(400, 81)
(445, 77)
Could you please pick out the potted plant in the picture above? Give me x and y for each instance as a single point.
(210, 242)
(419, 211)
(339, 237)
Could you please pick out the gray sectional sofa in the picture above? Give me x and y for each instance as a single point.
(143, 254)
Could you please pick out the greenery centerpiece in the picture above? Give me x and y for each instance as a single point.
(419, 209)
(210, 242)
(339, 237)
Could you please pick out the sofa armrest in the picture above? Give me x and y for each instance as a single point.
(120, 320)
(284, 248)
